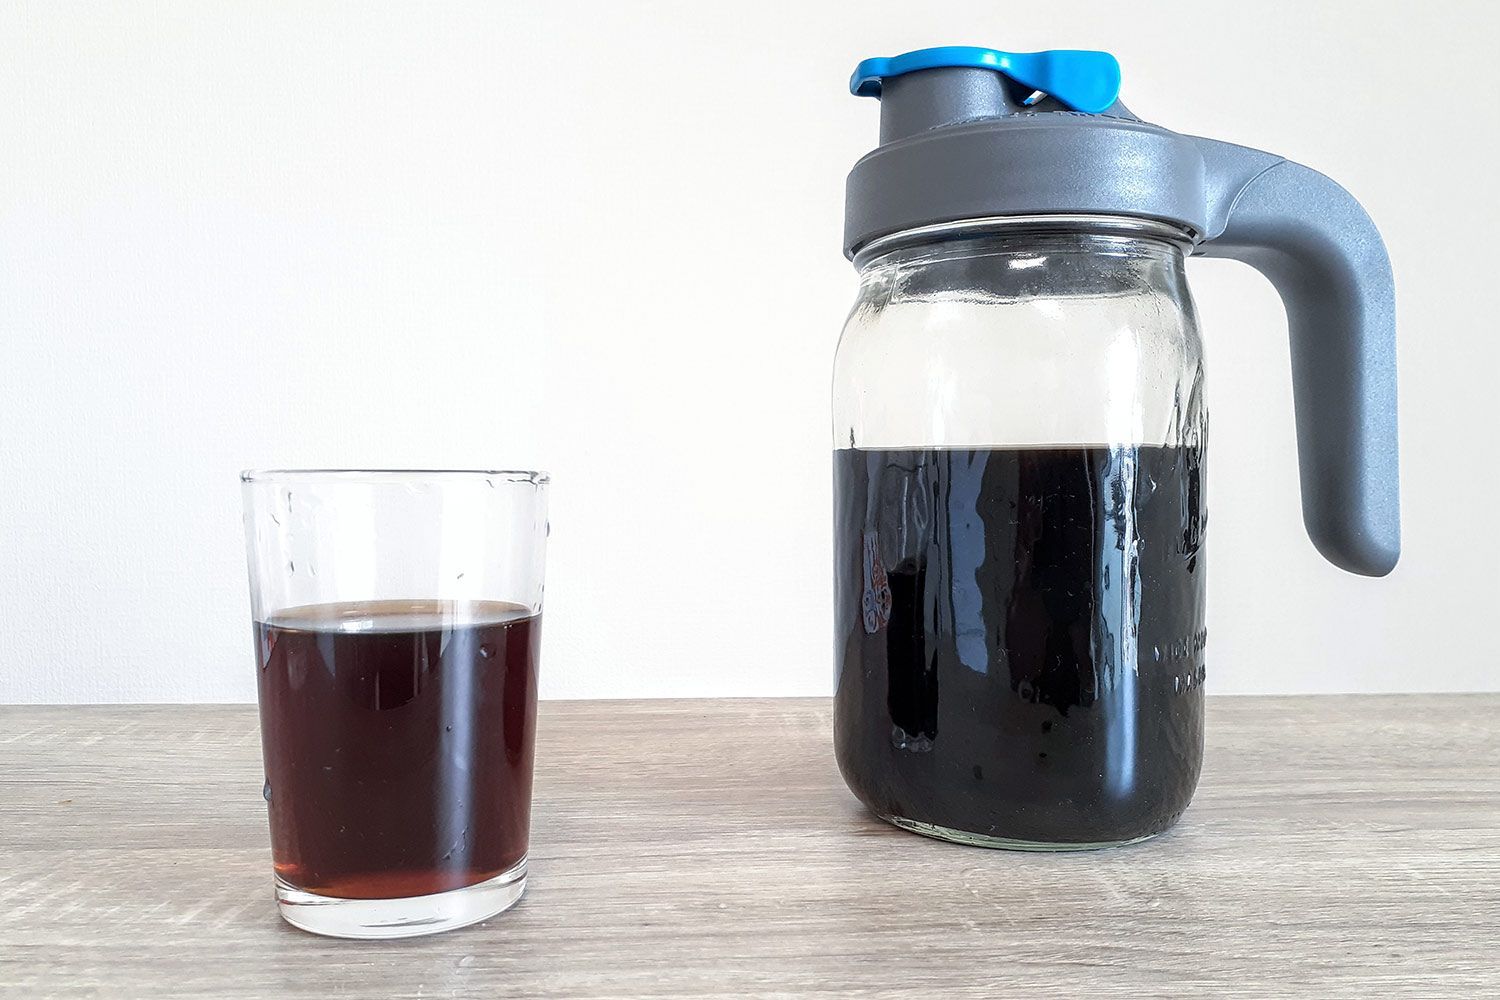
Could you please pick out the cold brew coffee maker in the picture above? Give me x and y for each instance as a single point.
(1020, 439)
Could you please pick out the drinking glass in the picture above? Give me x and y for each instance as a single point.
(397, 619)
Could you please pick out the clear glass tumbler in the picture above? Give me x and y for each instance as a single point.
(397, 621)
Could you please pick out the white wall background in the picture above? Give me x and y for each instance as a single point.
(603, 238)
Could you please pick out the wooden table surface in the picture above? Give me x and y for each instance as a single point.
(1338, 846)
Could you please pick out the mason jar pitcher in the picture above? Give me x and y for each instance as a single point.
(1020, 440)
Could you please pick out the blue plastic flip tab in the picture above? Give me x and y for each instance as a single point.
(1080, 79)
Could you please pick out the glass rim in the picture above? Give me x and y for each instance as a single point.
(532, 477)
(1060, 223)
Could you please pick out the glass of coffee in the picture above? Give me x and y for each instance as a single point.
(397, 621)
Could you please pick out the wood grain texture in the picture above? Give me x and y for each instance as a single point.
(1337, 847)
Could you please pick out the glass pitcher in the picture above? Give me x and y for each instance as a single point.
(1019, 434)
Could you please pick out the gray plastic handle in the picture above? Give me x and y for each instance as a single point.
(1326, 259)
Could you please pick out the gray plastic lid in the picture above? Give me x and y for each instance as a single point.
(967, 140)
(970, 133)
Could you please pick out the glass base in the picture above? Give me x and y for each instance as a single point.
(1005, 843)
(411, 916)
